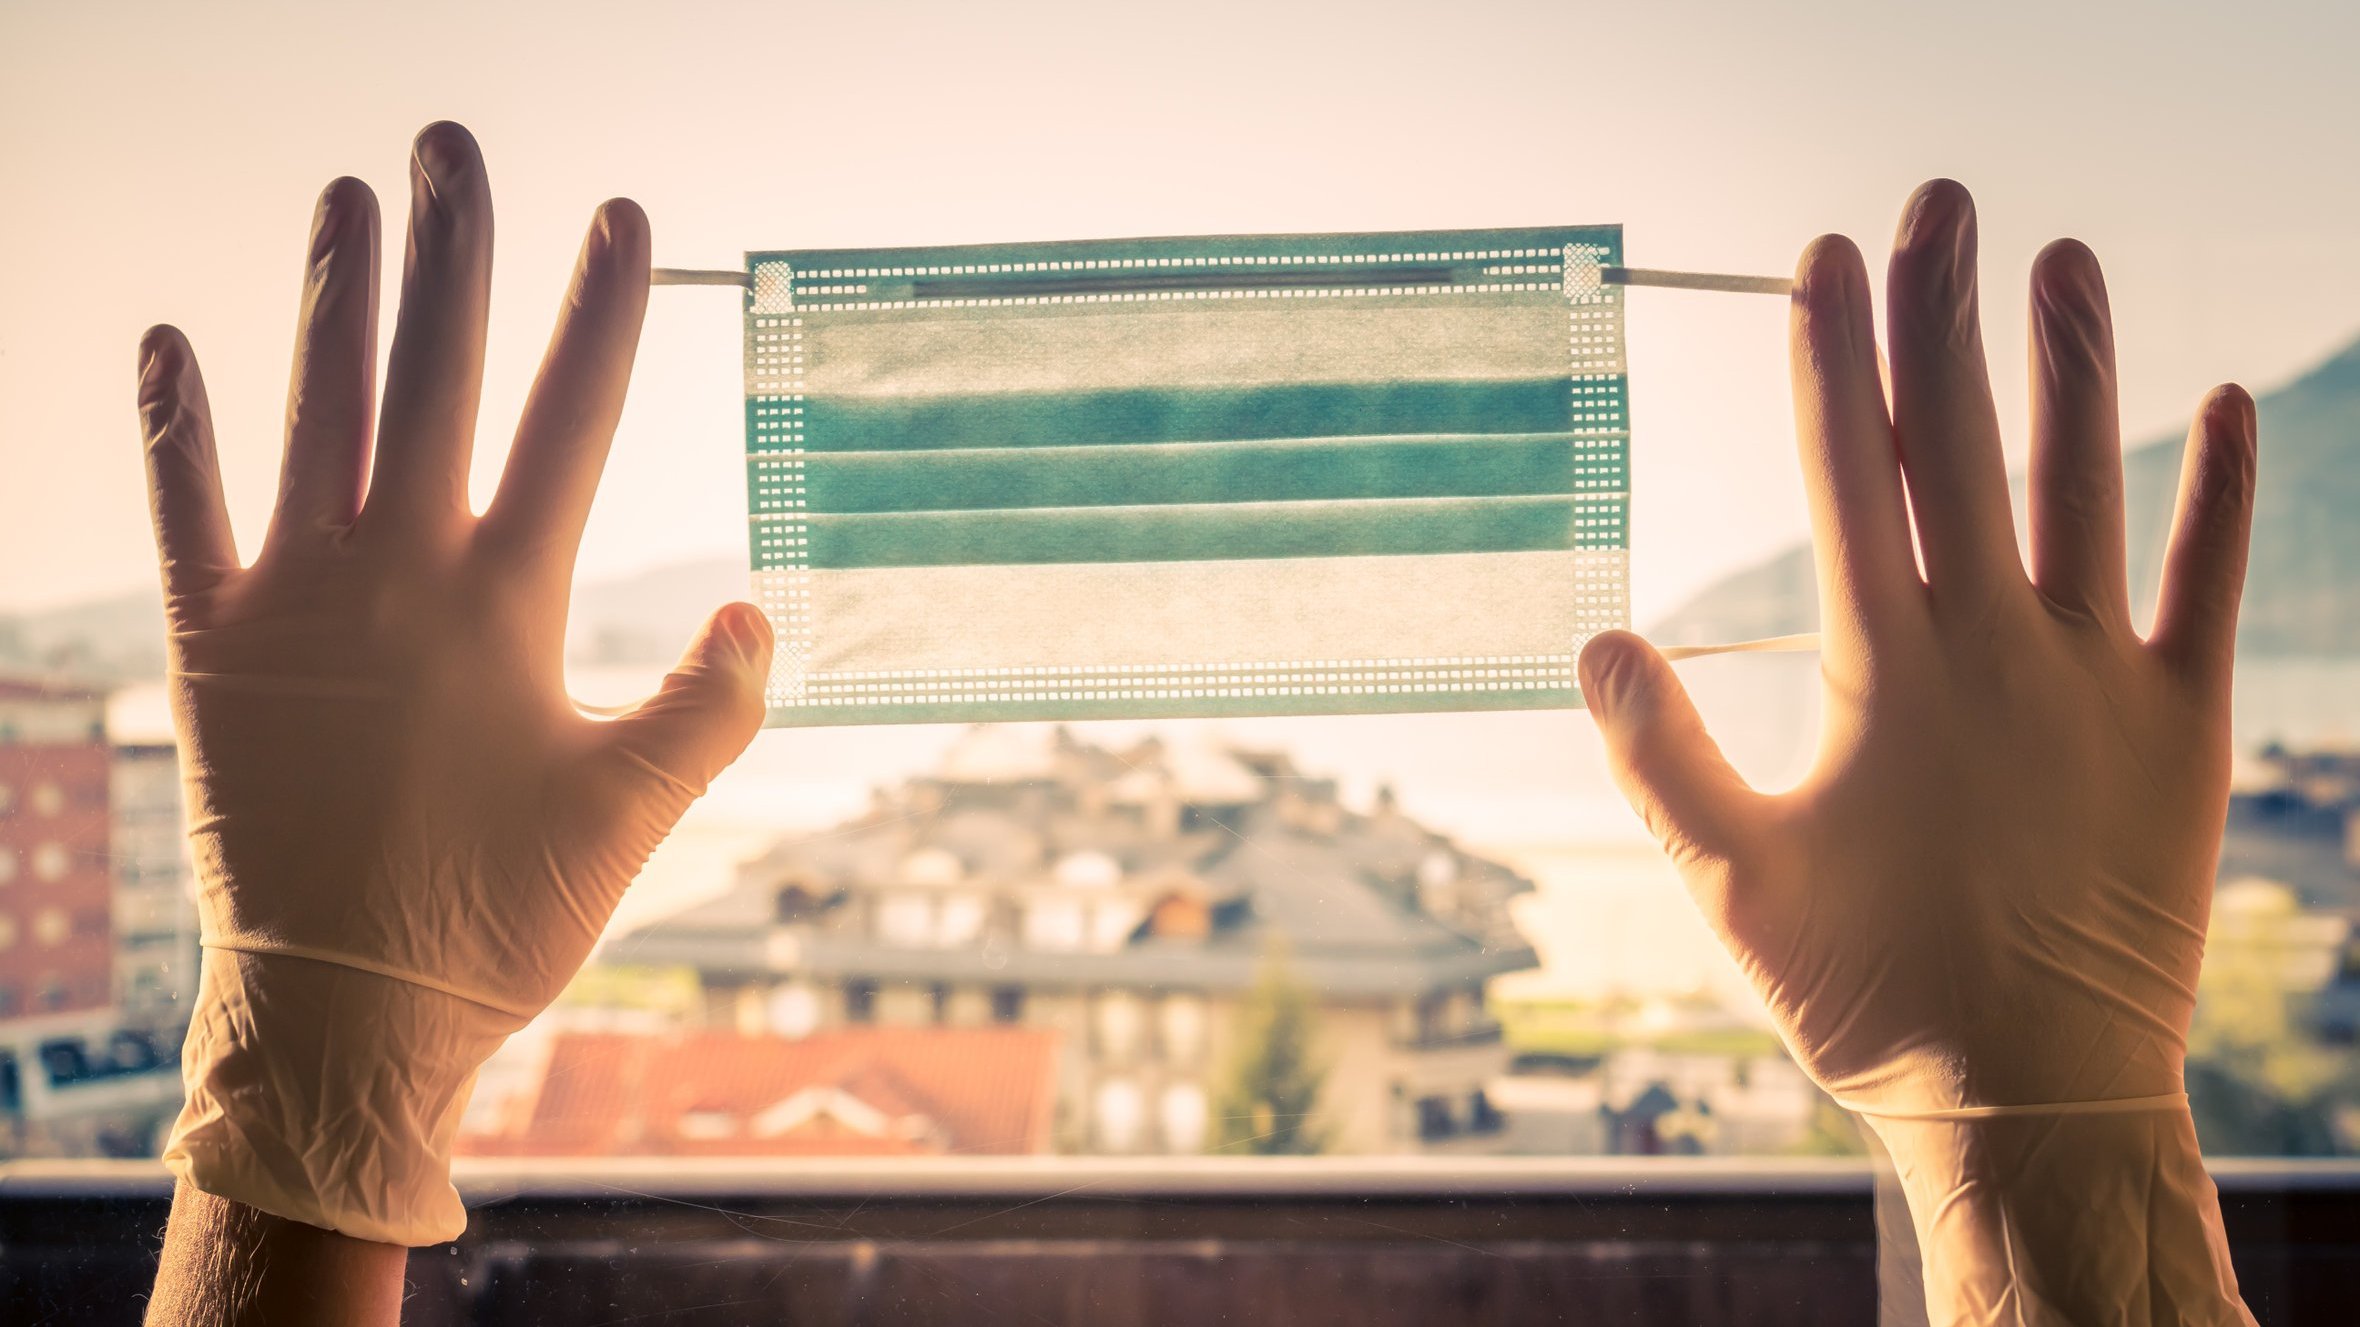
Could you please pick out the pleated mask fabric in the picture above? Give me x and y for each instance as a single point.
(1240, 475)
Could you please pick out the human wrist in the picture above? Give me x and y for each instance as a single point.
(2065, 1217)
(329, 1095)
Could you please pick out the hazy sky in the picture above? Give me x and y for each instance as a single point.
(161, 161)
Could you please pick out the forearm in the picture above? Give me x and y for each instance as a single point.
(2066, 1219)
(226, 1263)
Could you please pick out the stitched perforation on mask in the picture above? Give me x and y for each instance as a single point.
(1225, 475)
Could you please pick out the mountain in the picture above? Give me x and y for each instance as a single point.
(2302, 589)
(118, 638)
(644, 618)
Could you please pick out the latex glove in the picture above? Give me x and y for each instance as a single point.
(407, 839)
(1979, 919)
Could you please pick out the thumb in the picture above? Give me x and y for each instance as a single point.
(1672, 771)
(710, 705)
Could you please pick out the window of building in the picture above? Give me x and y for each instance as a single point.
(51, 926)
(1435, 1121)
(1482, 1116)
(1008, 1004)
(959, 920)
(860, 1001)
(1087, 870)
(793, 1010)
(1112, 922)
(51, 862)
(8, 865)
(1053, 924)
(906, 920)
(1117, 1024)
(1117, 1115)
(905, 1004)
(1184, 1115)
(796, 904)
(1182, 1026)
(47, 800)
(939, 995)
(708, 1125)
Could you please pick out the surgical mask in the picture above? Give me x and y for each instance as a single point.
(1187, 477)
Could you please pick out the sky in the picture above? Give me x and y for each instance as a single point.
(161, 162)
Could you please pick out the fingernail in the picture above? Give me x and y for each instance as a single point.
(152, 347)
(748, 629)
(156, 382)
(1599, 669)
(2232, 409)
(440, 155)
(1938, 212)
(599, 246)
(327, 228)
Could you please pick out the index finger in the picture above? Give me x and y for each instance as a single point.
(1859, 517)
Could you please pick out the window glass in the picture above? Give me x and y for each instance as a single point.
(1441, 936)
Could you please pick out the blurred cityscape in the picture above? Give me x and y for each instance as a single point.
(1049, 943)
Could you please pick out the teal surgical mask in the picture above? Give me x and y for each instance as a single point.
(1294, 474)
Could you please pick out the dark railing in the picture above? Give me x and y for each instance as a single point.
(1696, 1242)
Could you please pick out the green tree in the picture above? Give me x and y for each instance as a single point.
(1270, 1101)
(2259, 1083)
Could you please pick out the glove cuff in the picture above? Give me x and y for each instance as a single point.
(329, 1095)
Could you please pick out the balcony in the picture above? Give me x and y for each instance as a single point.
(1371, 1243)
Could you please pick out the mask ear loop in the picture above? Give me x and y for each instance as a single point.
(1802, 642)
(1739, 285)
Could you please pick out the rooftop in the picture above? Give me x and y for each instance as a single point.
(1190, 860)
(866, 1091)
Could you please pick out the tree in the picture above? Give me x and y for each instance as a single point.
(2259, 1082)
(1270, 1103)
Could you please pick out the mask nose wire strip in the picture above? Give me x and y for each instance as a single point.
(698, 276)
(1613, 276)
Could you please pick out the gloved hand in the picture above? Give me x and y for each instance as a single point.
(1978, 921)
(407, 838)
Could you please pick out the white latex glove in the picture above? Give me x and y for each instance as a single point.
(407, 838)
(1979, 920)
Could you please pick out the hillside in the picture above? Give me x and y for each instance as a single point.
(2302, 595)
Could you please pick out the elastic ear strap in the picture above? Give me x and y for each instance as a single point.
(2109, 1106)
(1802, 642)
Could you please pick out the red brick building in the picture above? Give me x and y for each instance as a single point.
(56, 910)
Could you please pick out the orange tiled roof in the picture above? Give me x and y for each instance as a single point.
(702, 1093)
